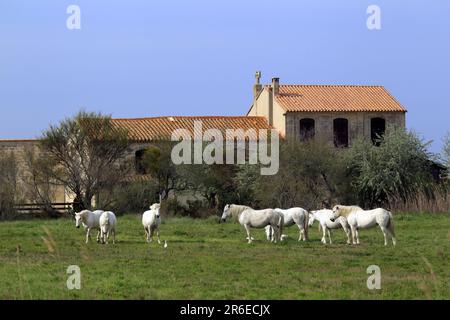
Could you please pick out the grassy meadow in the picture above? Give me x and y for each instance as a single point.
(207, 260)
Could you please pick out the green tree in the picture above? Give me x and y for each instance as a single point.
(308, 177)
(397, 169)
(158, 164)
(446, 149)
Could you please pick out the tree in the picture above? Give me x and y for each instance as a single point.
(446, 150)
(39, 183)
(158, 163)
(397, 169)
(85, 153)
(308, 177)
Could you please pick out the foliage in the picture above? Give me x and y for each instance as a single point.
(84, 153)
(131, 197)
(214, 182)
(446, 150)
(308, 177)
(157, 162)
(398, 169)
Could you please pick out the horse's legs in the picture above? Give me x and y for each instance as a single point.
(157, 233)
(300, 232)
(329, 235)
(114, 235)
(150, 234)
(324, 238)
(353, 231)
(385, 234)
(249, 237)
(146, 234)
(87, 235)
(347, 232)
(357, 235)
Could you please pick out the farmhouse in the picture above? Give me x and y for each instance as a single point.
(336, 114)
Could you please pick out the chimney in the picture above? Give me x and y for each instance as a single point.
(257, 87)
(276, 86)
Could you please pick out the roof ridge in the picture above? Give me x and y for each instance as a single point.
(332, 85)
(189, 117)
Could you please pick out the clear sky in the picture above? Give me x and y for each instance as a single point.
(198, 57)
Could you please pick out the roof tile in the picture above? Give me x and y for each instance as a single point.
(336, 98)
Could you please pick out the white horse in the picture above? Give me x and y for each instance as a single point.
(324, 217)
(108, 223)
(90, 220)
(250, 218)
(151, 220)
(292, 216)
(358, 218)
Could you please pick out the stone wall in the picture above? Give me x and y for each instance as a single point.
(19, 148)
(359, 123)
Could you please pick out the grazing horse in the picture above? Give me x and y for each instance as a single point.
(151, 220)
(108, 223)
(358, 218)
(292, 216)
(90, 220)
(250, 218)
(324, 217)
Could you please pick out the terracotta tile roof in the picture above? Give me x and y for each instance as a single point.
(18, 140)
(336, 98)
(148, 129)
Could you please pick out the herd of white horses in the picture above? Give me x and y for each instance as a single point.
(350, 219)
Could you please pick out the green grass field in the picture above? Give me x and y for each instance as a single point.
(207, 260)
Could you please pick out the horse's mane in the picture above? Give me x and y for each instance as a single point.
(236, 210)
(346, 210)
(84, 214)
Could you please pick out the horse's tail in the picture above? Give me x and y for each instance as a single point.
(306, 225)
(390, 224)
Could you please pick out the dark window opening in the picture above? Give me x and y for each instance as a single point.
(139, 162)
(340, 129)
(377, 130)
(307, 129)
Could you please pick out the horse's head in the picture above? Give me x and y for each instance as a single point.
(226, 212)
(311, 218)
(156, 207)
(78, 218)
(336, 213)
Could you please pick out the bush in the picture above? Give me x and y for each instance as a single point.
(135, 197)
(396, 170)
(309, 176)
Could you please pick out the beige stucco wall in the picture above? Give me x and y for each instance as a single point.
(261, 107)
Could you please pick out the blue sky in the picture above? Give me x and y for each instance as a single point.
(198, 57)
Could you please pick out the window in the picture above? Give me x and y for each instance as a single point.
(377, 129)
(138, 162)
(307, 129)
(340, 130)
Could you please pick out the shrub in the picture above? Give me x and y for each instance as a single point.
(396, 170)
(132, 197)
